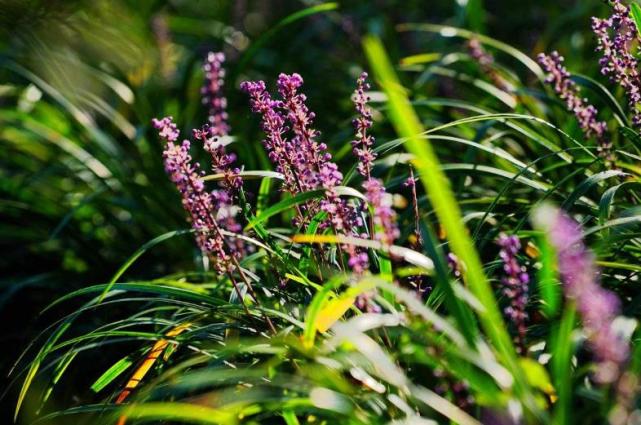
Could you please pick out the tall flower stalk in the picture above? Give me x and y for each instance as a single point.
(384, 227)
(416, 239)
(586, 114)
(280, 150)
(515, 287)
(598, 307)
(198, 203)
(210, 135)
(224, 199)
(204, 208)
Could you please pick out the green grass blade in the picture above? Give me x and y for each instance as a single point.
(587, 184)
(35, 366)
(562, 351)
(112, 373)
(407, 124)
(290, 418)
(283, 205)
(181, 412)
(636, 14)
(137, 255)
(549, 287)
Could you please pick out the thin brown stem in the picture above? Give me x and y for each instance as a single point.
(250, 289)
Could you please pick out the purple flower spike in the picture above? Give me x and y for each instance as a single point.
(598, 307)
(303, 161)
(184, 173)
(585, 113)
(279, 149)
(615, 36)
(212, 93)
(515, 286)
(362, 145)
(313, 160)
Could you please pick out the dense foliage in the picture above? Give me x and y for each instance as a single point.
(346, 215)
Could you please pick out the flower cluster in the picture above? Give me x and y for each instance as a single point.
(598, 307)
(614, 37)
(305, 163)
(166, 129)
(224, 198)
(199, 203)
(316, 170)
(384, 217)
(212, 93)
(280, 150)
(290, 141)
(362, 145)
(585, 113)
(454, 264)
(384, 225)
(221, 161)
(515, 286)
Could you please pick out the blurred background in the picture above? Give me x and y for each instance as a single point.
(81, 178)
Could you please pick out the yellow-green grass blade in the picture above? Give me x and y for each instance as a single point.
(407, 124)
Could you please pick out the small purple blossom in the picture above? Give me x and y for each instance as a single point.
(362, 145)
(454, 264)
(184, 173)
(586, 114)
(212, 93)
(615, 36)
(167, 128)
(515, 286)
(383, 215)
(598, 307)
(358, 262)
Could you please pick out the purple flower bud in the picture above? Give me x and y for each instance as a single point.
(454, 264)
